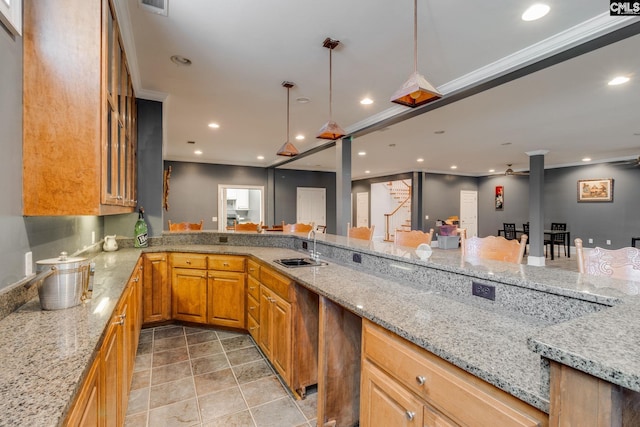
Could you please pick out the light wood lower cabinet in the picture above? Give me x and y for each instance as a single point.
(156, 291)
(189, 294)
(275, 331)
(104, 395)
(402, 383)
(86, 410)
(226, 298)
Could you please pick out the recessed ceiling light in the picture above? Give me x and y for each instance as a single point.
(260, 157)
(420, 160)
(506, 143)
(367, 171)
(180, 60)
(362, 153)
(198, 152)
(619, 80)
(636, 134)
(300, 137)
(535, 11)
(438, 132)
(366, 101)
(392, 145)
(492, 170)
(214, 125)
(302, 100)
(191, 142)
(454, 167)
(586, 159)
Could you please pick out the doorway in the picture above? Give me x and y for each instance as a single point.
(240, 203)
(311, 205)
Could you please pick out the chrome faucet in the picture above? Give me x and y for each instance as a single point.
(314, 254)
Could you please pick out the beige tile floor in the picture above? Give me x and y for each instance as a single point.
(206, 377)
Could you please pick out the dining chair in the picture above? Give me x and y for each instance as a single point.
(559, 239)
(364, 233)
(321, 229)
(525, 230)
(493, 247)
(412, 238)
(509, 230)
(297, 227)
(185, 226)
(247, 226)
(621, 263)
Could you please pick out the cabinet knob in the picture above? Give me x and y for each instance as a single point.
(226, 264)
(253, 328)
(252, 269)
(122, 316)
(410, 415)
(251, 288)
(252, 307)
(119, 322)
(420, 379)
(188, 261)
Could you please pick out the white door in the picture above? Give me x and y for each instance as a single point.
(469, 212)
(311, 205)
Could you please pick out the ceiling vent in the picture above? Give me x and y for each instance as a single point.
(160, 7)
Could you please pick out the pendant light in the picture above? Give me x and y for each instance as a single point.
(417, 90)
(330, 130)
(288, 149)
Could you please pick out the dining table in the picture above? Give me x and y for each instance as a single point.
(633, 241)
(552, 237)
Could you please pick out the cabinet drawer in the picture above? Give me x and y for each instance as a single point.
(458, 394)
(189, 261)
(226, 263)
(253, 287)
(253, 268)
(254, 327)
(253, 307)
(277, 283)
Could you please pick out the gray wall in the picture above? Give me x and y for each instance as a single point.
(44, 236)
(150, 174)
(286, 182)
(193, 189)
(617, 221)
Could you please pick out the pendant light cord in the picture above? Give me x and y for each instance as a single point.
(288, 114)
(415, 36)
(330, 86)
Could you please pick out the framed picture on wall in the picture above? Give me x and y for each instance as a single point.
(499, 201)
(595, 190)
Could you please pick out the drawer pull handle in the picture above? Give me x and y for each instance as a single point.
(252, 307)
(225, 264)
(119, 322)
(188, 261)
(410, 415)
(420, 379)
(253, 328)
(251, 288)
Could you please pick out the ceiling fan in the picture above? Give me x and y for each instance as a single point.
(630, 162)
(511, 172)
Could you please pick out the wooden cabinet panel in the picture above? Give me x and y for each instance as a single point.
(280, 285)
(156, 291)
(253, 269)
(226, 263)
(253, 307)
(65, 106)
(266, 336)
(253, 287)
(226, 298)
(110, 390)
(459, 395)
(282, 339)
(189, 261)
(254, 328)
(385, 403)
(86, 409)
(189, 294)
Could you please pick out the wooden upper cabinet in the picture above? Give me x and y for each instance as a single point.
(79, 135)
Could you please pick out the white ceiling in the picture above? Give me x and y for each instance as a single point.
(242, 50)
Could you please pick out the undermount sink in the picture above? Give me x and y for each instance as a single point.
(299, 262)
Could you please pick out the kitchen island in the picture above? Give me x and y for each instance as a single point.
(587, 324)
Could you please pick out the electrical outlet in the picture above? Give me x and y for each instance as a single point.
(93, 237)
(590, 240)
(223, 239)
(28, 264)
(426, 217)
(608, 242)
(305, 245)
(357, 258)
(214, 219)
(483, 291)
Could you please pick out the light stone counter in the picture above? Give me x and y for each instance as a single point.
(46, 354)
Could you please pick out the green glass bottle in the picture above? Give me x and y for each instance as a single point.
(141, 231)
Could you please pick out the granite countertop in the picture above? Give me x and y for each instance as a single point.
(46, 354)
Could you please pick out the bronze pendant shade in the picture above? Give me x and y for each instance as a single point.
(330, 130)
(417, 90)
(288, 149)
